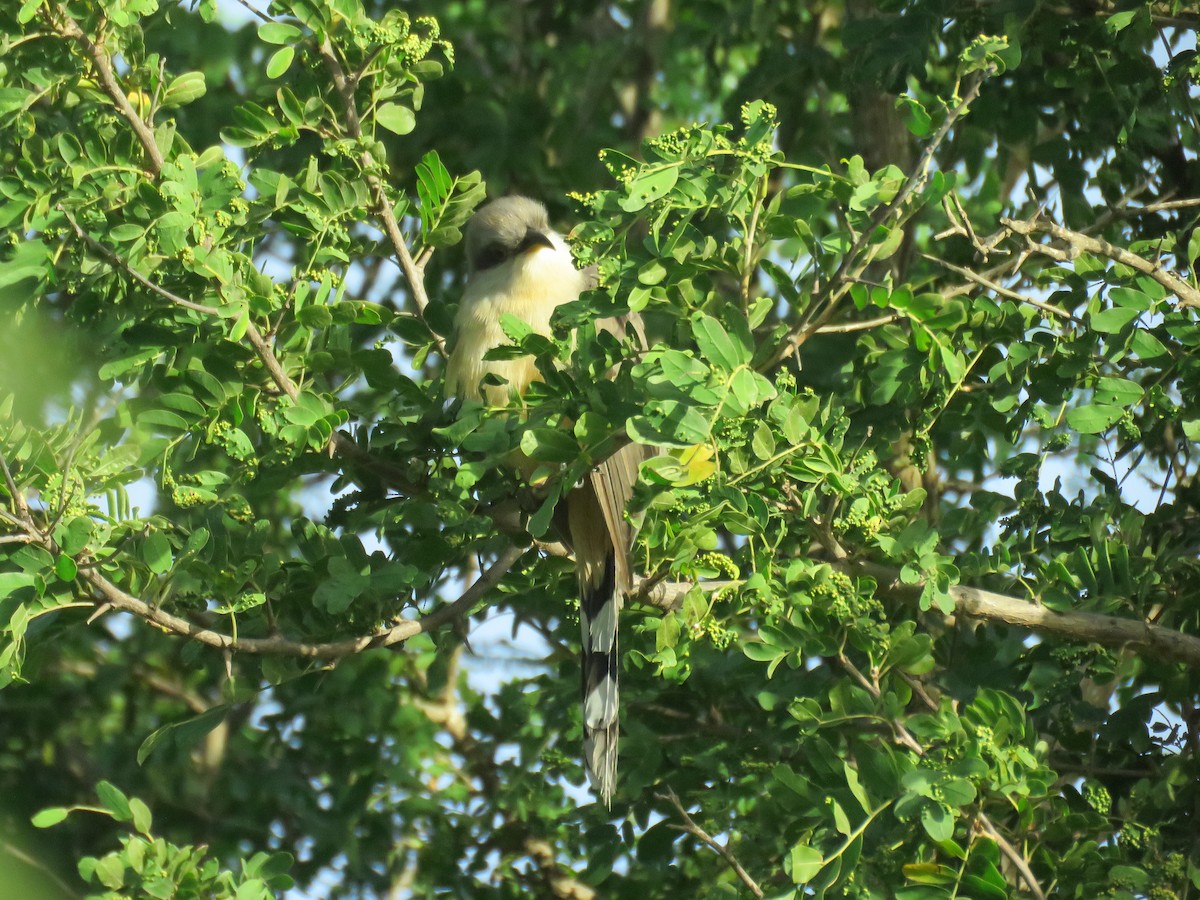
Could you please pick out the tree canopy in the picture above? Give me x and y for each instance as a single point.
(918, 611)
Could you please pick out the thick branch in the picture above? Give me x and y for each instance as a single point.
(1108, 631)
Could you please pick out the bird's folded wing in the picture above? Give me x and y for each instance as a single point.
(613, 480)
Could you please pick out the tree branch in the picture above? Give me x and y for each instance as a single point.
(68, 28)
(282, 646)
(344, 445)
(851, 266)
(1109, 631)
(690, 827)
(1187, 294)
(414, 273)
(905, 737)
(1000, 289)
(865, 325)
(976, 603)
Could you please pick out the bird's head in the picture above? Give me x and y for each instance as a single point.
(507, 229)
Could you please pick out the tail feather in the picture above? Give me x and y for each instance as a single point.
(598, 608)
(600, 536)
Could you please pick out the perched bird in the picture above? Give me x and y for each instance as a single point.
(518, 265)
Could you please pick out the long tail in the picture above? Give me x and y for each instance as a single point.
(599, 604)
(601, 691)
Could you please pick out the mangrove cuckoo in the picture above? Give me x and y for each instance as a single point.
(518, 265)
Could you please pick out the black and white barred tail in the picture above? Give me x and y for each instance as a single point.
(599, 604)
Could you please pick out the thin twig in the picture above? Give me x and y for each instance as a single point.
(845, 327)
(1000, 289)
(414, 273)
(1189, 203)
(905, 736)
(257, 12)
(690, 827)
(851, 266)
(1014, 856)
(260, 344)
(18, 499)
(21, 856)
(748, 263)
(113, 259)
(282, 646)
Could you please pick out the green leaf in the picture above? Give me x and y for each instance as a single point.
(803, 863)
(1118, 392)
(1094, 418)
(344, 585)
(717, 345)
(110, 872)
(156, 553)
(937, 821)
(648, 186)
(280, 61)
(278, 32)
(396, 118)
(65, 568)
(1119, 21)
(539, 522)
(182, 735)
(114, 800)
(763, 442)
(141, 815)
(1110, 321)
(673, 424)
(916, 119)
(184, 89)
(126, 232)
(14, 581)
(50, 816)
(549, 445)
(28, 9)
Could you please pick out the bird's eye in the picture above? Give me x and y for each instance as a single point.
(489, 256)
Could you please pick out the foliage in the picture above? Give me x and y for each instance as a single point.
(919, 540)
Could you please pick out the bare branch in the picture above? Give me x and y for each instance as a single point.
(690, 827)
(1189, 203)
(866, 325)
(1014, 856)
(1000, 289)
(1187, 294)
(18, 499)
